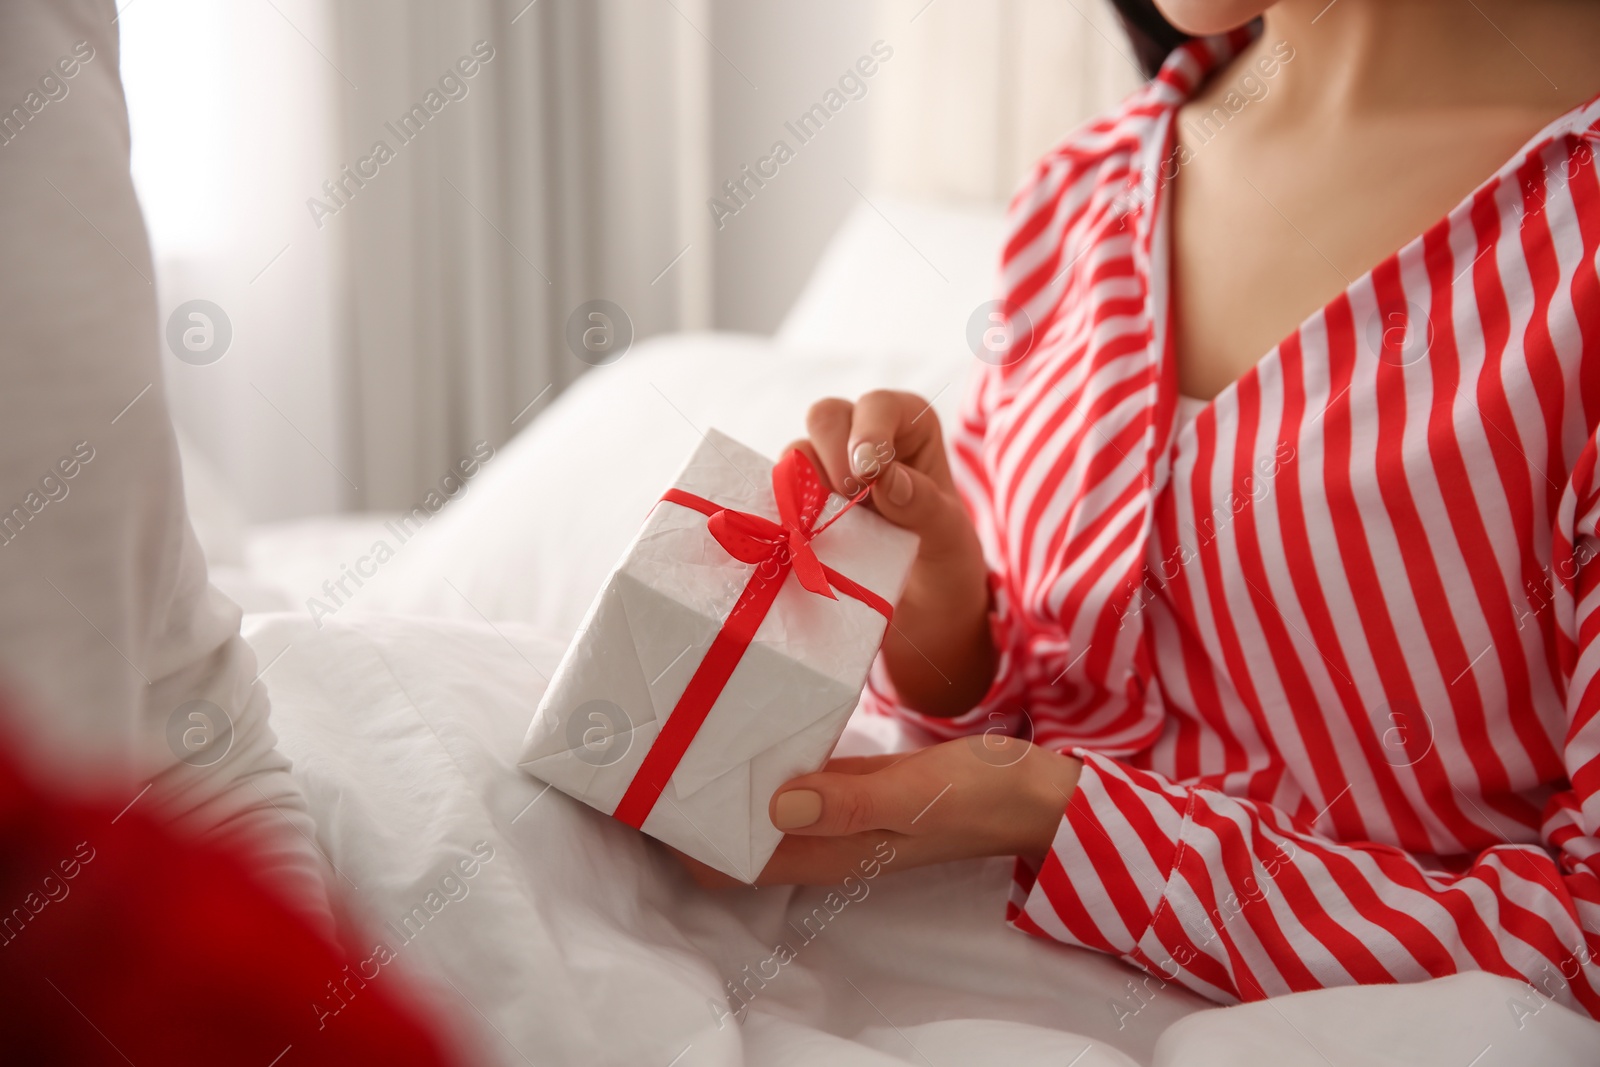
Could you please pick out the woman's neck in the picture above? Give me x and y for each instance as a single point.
(1355, 56)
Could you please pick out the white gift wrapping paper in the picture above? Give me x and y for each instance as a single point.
(786, 703)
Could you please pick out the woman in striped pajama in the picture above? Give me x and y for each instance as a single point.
(1274, 671)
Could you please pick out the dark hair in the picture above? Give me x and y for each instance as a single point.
(1153, 37)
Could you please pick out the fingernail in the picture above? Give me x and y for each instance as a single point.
(899, 486)
(864, 459)
(796, 809)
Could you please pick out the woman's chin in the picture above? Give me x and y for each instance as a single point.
(1202, 18)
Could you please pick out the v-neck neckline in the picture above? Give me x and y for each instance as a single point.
(1159, 245)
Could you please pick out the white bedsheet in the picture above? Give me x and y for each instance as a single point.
(580, 942)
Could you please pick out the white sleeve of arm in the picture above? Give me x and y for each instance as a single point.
(112, 640)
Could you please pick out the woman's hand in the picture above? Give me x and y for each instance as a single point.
(976, 796)
(939, 652)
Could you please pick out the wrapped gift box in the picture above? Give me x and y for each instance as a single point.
(723, 656)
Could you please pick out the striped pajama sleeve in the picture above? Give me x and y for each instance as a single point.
(1235, 900)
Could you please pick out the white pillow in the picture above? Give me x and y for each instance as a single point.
(535, 534)
(899, 276)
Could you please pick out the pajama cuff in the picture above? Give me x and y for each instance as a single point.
(1104, 883)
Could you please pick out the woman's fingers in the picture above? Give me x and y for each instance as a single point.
(889, 427)
(705, 877)
(833, 804)
(830, 860)
(864, 764)
(860, 443)
(828, 424)
(891, 441)
(912, 500)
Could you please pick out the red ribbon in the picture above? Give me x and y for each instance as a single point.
(775, 548)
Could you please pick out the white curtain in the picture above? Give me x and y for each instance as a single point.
(232, 128)
(564, 169)
(381, 331)
(578, 165)
(984, 87)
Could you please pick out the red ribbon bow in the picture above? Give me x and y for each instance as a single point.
(801, 497)
(775, 548)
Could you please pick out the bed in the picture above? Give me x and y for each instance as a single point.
(575, 940)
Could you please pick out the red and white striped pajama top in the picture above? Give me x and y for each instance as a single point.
(1330, 652)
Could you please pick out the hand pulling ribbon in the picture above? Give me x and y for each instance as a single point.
(775, 548)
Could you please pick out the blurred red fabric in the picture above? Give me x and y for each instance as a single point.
(122, 942)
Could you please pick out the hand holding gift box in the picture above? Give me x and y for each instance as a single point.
(723, 656)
